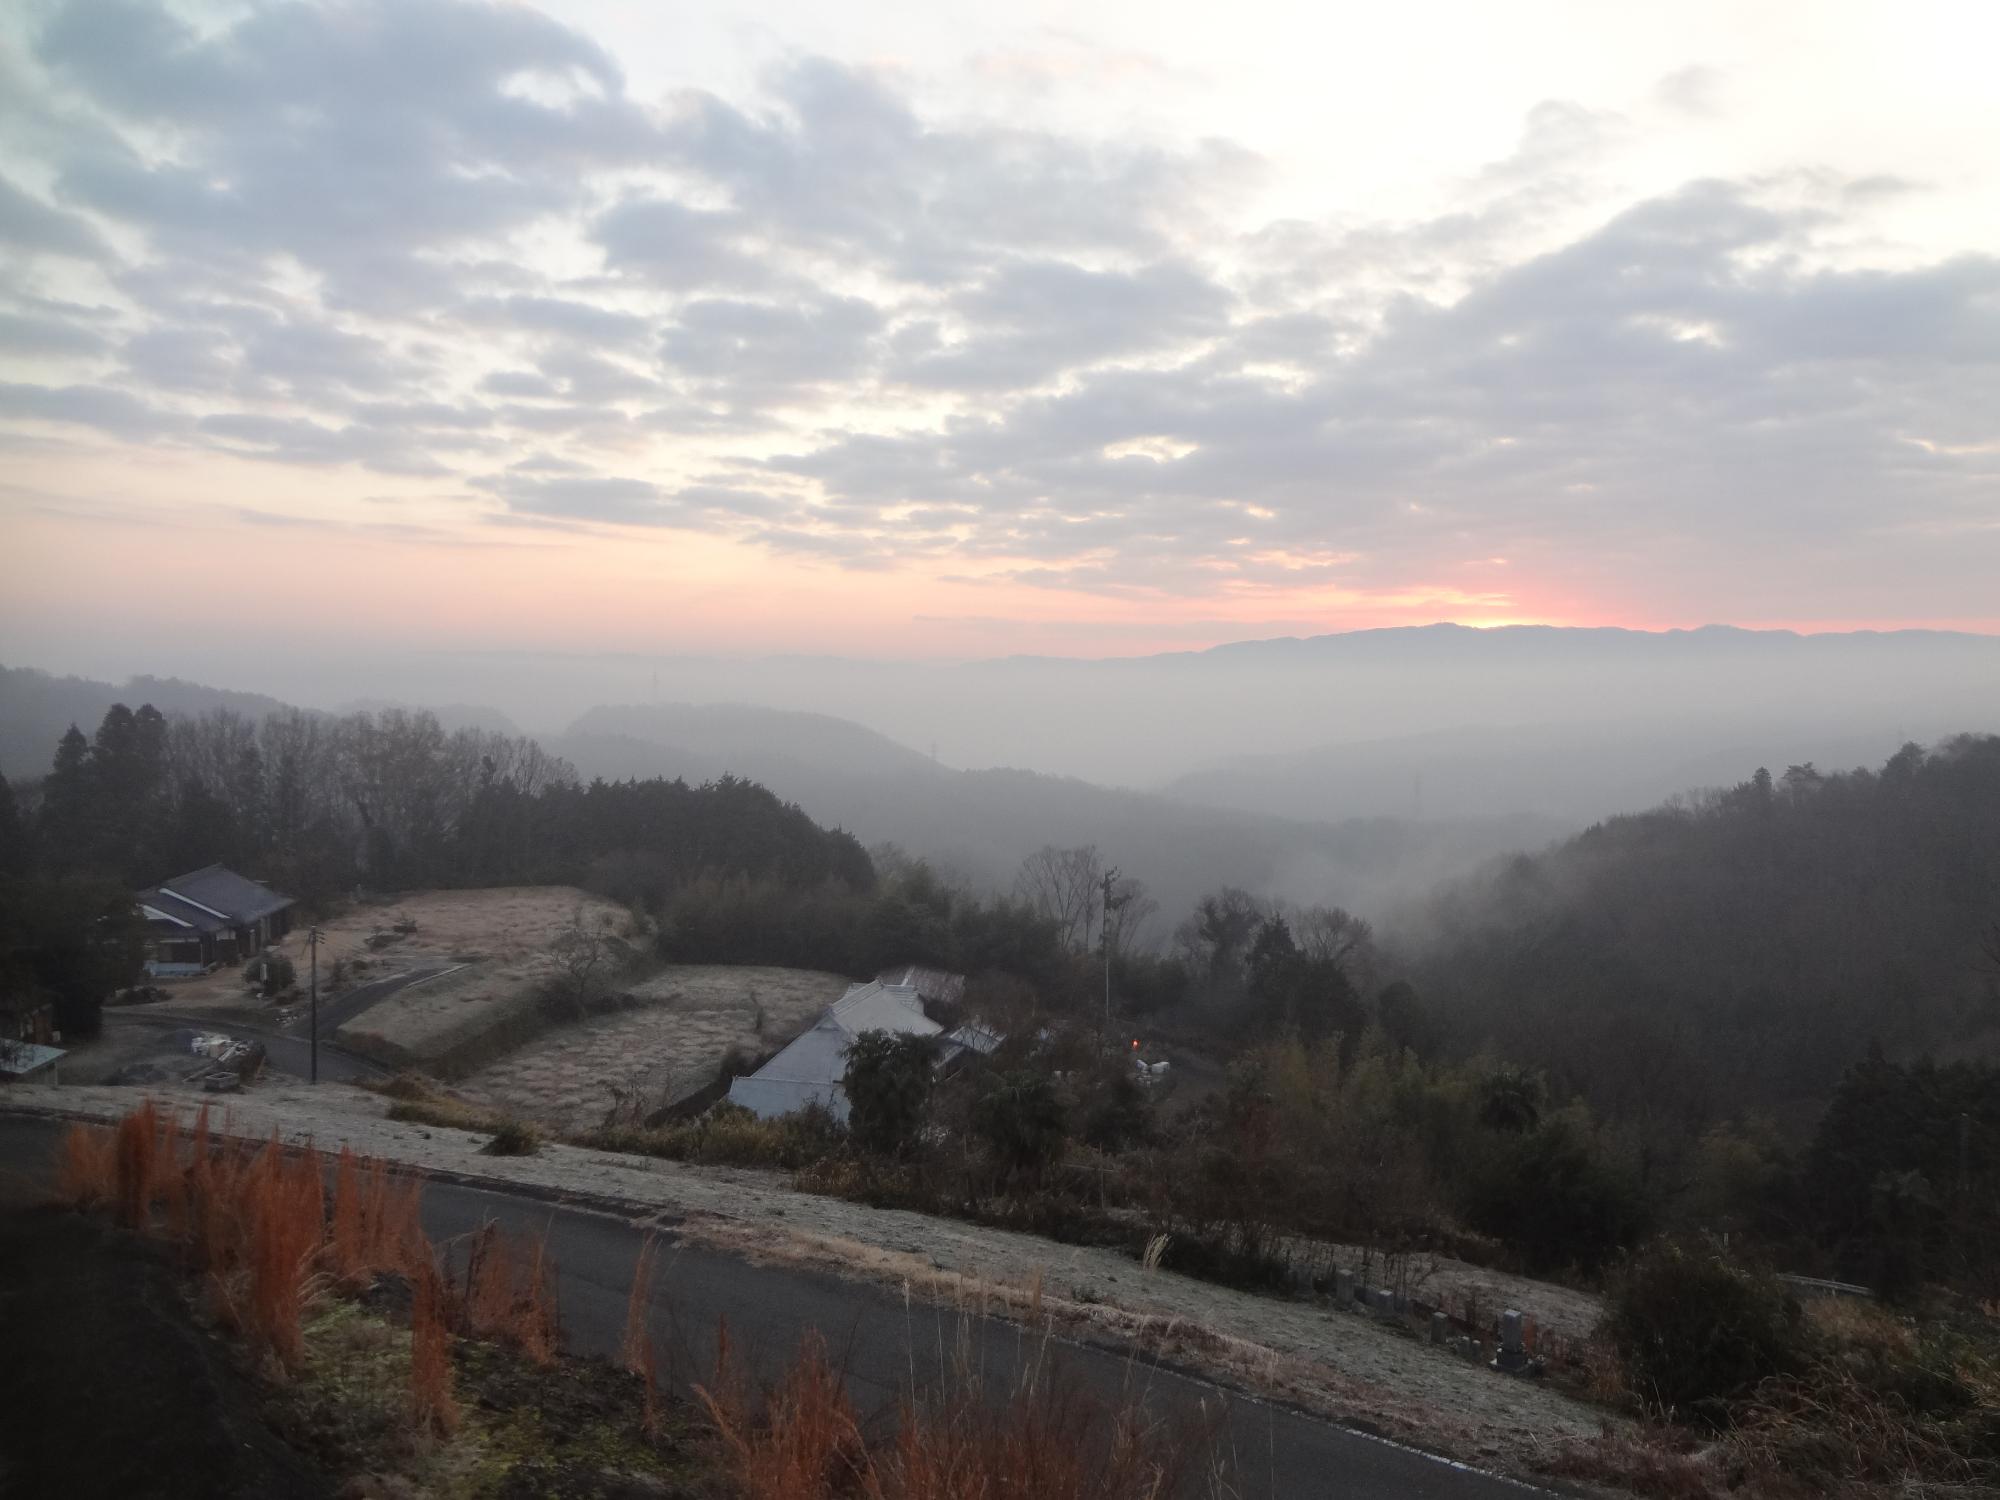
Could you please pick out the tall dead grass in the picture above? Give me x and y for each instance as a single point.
(253, 1220)
(509, 1294)
(804, 1440)
(432, 1405)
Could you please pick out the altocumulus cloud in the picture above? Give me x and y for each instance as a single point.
(446, 240)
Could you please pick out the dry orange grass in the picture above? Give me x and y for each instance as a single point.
(138, 1143)
(807, 1443)
(87, 1166)
(256, 1222)
(431, 1403)
(1043, 1440)
(635, 1348)
(510, 1294)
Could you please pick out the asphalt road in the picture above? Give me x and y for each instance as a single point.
(884, 1343)
(282, 1051)
(336, 1012)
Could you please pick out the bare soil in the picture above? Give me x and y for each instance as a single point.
(684, 1021)
(114, 1390)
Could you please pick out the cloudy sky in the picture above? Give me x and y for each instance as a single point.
(928, 329)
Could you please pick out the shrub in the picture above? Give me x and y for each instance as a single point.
(514, 1138)
(730, 1136)
(1022, 1121)
(1554, 1196)
(888, 1083)
(1697, 1332)
(452, 1114)
(272, 972)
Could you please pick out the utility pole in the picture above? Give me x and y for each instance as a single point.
(1104, 935)
(312, 1022)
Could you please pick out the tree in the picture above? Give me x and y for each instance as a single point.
(888, 1085)
(1131, 909)
(13, 833)
(1064, 885)
(72, 941)
(582, 954)
(1022, 1121)
(63, 829)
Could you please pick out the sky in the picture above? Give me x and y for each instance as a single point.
(935, 330)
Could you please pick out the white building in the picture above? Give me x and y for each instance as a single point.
(810, 1069)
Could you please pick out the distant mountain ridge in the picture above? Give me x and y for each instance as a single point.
(1448, 635)
(37, 707)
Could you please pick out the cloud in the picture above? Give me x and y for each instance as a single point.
(29, 224)
(445, 241)
(32, 333)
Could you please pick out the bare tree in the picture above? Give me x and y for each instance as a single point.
(1331, 934)
(1064, 885)
(583, 955)
(1132, 909)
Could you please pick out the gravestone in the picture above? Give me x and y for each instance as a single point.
(1513, 1355)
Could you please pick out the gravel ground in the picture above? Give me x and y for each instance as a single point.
(689, 1016)
(1341, 1364)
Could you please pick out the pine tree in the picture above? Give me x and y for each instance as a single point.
(13, 833)
(63, 829)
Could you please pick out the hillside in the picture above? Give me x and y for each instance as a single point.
(1573, 772)
(983, 823)
(1735, 952)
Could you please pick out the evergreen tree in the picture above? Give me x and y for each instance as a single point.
(13, 833)
(63, 829)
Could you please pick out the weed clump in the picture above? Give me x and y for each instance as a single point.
(514, 1138)
(1697, 1332)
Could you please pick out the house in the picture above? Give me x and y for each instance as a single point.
(809, 1071)
(209, 916)
(933, 986)
(29, 1062)
(27, 1017)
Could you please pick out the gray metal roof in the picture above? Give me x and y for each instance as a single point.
(23, 1058)
(809, 1070)
(217, 892)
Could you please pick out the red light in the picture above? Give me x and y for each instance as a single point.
(1135, 1044)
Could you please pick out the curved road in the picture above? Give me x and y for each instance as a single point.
(883, 1342)
(282, 1051)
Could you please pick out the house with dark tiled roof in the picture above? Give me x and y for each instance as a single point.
(209, 916)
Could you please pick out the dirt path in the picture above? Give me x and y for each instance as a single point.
(1340, 1364)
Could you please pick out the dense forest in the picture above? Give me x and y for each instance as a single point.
(1735, 951)
(317, 805)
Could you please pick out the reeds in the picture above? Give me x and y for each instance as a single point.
(432, 1406)
(1045, 1439)
(509, 1294)
(635, 1348)
(87, 1166)
(255, 1220)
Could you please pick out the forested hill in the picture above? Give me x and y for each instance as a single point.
(317, 804)
(1736, 951)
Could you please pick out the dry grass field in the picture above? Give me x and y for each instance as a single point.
(686, 1018)
(496, 938)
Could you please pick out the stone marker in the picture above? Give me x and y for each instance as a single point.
(1343, 1288)
(1382, 1302)
(1513, 1355)
(1440, 1328)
